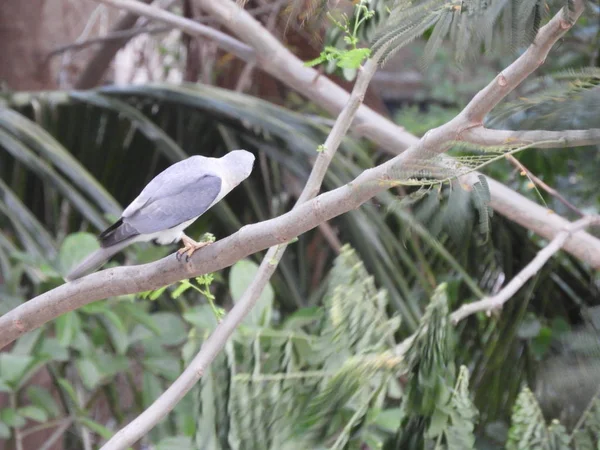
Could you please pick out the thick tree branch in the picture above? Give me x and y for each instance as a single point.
(547, 139)
(140, 426)
(224, 41)
(495, 302)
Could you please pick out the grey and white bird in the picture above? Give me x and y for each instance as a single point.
(170, 203)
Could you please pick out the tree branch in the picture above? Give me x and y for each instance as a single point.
(530, 60)
(189, 26)
(495, 302)
(548, 139)
(112, 36)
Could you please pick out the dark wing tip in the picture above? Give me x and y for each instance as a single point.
(117, 232)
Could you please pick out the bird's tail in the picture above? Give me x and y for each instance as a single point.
(95, 260)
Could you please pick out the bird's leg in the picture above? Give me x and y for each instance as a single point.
(189, 247)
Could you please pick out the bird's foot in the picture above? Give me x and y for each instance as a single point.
(189, 247)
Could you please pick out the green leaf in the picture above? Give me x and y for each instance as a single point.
(201, 316)
(33, 412)
(70, 390)
(110, 364)
(151, 388)
(67, 327)
(13, 367)
(51, 348)
(389, 419)
(352, 59)
(172, 331)
(240, 277)
(184, 285)
(116, 331)
(4, 431)
(74, 249)
(4, 387)
(26, 343)
(89, 372)
(166, 366)
(42, 398)
(136, 310)
(10, 417)
(316, 61)
(303, 317)
(96, 427)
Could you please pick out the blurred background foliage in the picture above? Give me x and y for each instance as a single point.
(316, 364)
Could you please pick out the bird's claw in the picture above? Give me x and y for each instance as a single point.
(189, 249)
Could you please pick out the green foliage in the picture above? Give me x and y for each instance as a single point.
(436, 405)
(312, 379)
(240, 277)
(459, 434)
(587, 434)
(529, 430)
(429, 359)
(469, 27)
(350, 57)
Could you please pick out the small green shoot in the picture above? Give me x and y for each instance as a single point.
(349, 58)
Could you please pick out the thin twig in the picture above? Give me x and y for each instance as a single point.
(113, 36)
(57, 434)
(18, 434)
(495, 302)
(225, 41)
(550, 190)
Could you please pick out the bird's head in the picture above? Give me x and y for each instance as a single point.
(239, 163)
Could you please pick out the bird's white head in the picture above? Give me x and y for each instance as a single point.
(239, 164)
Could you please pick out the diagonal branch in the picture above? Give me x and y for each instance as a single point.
(495, 302)
(535, 55)
(120, 35)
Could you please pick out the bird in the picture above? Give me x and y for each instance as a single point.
(170, 203)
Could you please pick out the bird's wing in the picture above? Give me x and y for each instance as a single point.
(173, 180)
(184, 200)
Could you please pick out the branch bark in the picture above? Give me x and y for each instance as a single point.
(490, 304)
(547, 139)
(224, 41)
